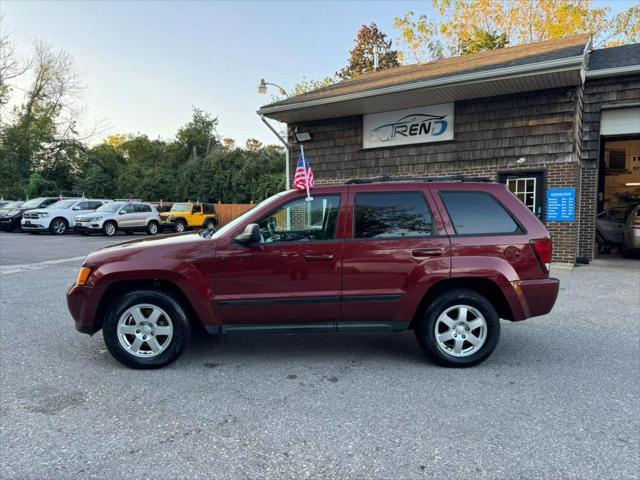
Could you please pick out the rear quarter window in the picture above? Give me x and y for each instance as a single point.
(478, 213)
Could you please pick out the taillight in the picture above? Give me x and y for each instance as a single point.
(636, 222)
(543, 248)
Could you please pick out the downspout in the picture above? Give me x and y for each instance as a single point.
(286, 147)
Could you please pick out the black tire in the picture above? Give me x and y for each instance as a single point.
(110, 228)
(179, 339)
(425, 328)
(153, 228)
(58, 226)
(210, 224)
(180, 226)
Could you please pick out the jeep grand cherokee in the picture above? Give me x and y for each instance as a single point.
(444, 259)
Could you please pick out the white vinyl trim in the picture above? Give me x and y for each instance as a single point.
(614, 72)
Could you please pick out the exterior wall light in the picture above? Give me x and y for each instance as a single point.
(303, 136)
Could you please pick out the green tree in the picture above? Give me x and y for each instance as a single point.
(305, 86)
(37, 186)
(483, 40)
(198, 137)
(369, 40)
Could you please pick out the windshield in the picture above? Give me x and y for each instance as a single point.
(181, 207)
(110, 207)
(33, 203)
(63, 204)
(13, 204)
(238, 220)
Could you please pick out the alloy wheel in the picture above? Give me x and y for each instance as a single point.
(145, 330)
(153, 228)
(461, 330)
(110, 229)
(179, 227)
(59, 227)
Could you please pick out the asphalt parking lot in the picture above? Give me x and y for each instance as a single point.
(558, 398)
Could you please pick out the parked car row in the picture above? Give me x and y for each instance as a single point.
(104, 216)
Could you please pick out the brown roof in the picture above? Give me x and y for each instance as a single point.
(485, 61)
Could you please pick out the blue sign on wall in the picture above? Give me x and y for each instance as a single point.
(561, 205)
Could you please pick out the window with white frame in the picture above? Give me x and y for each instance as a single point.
(525, 190)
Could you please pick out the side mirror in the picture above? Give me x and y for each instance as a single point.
(121, 212)
(76, 208)
(250, 235)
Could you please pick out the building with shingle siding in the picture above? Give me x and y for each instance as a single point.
(557, 121)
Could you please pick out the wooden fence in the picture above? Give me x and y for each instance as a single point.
(228, 211)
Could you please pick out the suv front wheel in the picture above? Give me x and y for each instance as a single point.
(146, 329)
(459, 329)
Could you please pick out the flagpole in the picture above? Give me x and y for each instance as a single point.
(306, 174)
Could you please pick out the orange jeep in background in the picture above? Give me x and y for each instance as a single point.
(185, 216)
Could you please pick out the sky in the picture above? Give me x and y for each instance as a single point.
(145, 64)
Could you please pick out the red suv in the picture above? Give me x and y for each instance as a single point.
(445, 259)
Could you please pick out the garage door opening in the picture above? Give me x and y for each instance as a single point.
(618, 195)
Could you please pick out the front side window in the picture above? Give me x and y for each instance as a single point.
(392, 215)
(477, 213)
(302, 221)
(110, 207)
(128, 209)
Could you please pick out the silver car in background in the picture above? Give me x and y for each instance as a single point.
(126, 216)
(631, 242)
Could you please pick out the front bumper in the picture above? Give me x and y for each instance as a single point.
(83, 306)
(40, 224)
(531, 298)
(10, 223)
(91, 227)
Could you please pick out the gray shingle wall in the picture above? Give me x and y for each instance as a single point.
(490, 135)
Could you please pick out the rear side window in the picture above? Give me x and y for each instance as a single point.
(477, 213)
(208, 208)
(392, 215)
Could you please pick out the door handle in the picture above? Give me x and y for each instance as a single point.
(427, 252)
(309, 257)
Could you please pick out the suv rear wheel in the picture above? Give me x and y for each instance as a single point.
(58, 226)
(459, 329)
(146, 329)
(210, 224)
(152, 228)
(180, 226)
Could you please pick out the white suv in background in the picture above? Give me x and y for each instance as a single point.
(126, 216)
(58, 217)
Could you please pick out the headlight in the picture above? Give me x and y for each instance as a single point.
(95, 219)
(43, 214)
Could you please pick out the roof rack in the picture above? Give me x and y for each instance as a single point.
(387, 178)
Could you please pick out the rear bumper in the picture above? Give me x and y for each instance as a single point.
(83, 306)
(531, 298)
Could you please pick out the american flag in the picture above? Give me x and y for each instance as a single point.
(299, 180)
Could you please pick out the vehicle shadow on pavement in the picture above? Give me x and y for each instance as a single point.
(314, 347)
